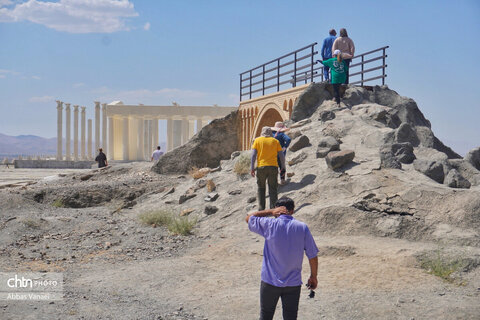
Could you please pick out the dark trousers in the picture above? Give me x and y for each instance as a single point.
(336, 91)
(326, 74)
(347, 61)
(284, 171)
(264, 175)
(269, 297)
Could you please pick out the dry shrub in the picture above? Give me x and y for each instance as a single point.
(211, 185)
(242, 165)
(197, 173)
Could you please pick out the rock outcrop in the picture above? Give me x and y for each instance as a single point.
(216, 141)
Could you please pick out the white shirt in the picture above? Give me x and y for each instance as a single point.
(156, 155)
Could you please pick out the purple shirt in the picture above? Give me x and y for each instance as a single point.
(285, 241)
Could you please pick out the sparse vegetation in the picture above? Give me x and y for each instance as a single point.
(211, 185)
(442, 265)
(58, 203)
(197, 173)
(174, 223)
(242, 165)
(31, 223)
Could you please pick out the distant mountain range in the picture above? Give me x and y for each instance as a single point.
(30, 145)
(27, 145)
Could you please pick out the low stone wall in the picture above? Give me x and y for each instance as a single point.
(52, 164)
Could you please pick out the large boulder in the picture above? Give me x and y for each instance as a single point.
(308, 102)
(405, 133)
(467, 170)
(327, 144)
(388, 159)
(403, 152)
(216, 141)
(430, 168)
(455, 180)
(337, 159)
(473, 157)
(299, 143)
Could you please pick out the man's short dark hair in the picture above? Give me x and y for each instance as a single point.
(158, 148)
(285, 202)
(332, 32)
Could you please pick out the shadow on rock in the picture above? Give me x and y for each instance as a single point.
(306, 180)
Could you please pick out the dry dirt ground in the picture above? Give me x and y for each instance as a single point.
(116, 268)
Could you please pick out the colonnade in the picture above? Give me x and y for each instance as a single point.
(128, 132)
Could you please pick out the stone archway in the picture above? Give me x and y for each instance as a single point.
(270, 114)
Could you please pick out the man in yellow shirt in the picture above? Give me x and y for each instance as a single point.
(265, 150)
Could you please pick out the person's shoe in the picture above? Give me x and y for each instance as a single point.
(283, 182)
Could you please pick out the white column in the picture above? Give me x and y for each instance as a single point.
(89, 140)
(141, 143)
(145, 138)
(97, 125)
(83, 134)
(149, 137)
(191, 128)
(104, 127)
(75, 133)
(59, 130)
(185, 128)
(110, 148)
(68, 129)
(169, 134)
(155, 134)
(125, 138)
(199, 124)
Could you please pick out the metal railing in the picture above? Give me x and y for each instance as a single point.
(272, 74)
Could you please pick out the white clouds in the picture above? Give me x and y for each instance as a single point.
(41, 99)
(74, 16)
(36, 77)
(78, 85)
(4, 3)
(146, 27)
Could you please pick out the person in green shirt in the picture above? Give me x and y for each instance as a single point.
(339, 69)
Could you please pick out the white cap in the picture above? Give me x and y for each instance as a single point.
(336, 52)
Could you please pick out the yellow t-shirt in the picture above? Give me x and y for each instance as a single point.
(267, 150)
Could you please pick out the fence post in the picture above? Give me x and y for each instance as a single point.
(311, 68)
(363, 59)
(240, 87)
(295, 71)
(250, 86)
(278, 75)
(383, 68)
(263, 80)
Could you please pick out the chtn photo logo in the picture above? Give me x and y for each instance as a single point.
(17, 282)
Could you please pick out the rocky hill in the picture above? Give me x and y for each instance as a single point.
(387, 202)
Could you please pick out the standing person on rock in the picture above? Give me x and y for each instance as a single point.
(101, 159)
(278, 132)
(286, 240)
(339, 72)
(327, 51)
(346, 47)
(265, 150)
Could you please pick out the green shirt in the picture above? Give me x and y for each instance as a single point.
(339, 70)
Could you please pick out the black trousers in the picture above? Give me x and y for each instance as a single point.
(269, 297)
(336, 91)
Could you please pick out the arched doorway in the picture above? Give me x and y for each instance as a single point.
(269, 115)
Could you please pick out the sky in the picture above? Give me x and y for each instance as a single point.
(192, 52)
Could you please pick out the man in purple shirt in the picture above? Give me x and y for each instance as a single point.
(285, 241)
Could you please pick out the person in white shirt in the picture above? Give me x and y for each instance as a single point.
(156, 154)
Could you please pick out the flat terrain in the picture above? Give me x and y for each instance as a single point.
(118, 268)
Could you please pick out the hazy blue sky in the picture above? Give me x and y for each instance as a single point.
(191, 52)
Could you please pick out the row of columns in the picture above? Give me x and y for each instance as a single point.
(86, 151)
(135, 138)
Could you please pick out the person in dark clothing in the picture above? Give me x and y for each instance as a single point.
(101, 159)
(278, 132)
(327, 51)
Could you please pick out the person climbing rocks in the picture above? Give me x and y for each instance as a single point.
(278, 132)
(339, 70)
(265, 150)
(347, 47)
(101, 159)
(286, 240)
(327, 51)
